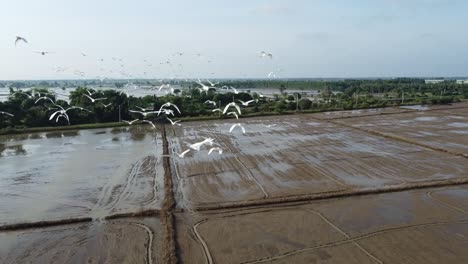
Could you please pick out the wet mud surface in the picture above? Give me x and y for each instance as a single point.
(86, 173)
(118, 179)
(385, 228)
(302, 155)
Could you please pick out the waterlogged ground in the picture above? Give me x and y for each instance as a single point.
(83, 173)
(102, 172)
(422, 226)
(313, 154)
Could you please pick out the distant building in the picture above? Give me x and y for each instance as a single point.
(462, 81)
(434, 81)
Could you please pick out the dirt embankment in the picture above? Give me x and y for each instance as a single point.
(168, 250)
(331, 195)
(40, 224)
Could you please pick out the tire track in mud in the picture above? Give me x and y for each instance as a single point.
(346, 236)
(249, 173)
(331, 195)
(444, 203)
(354, 239)
(149, 247)
(394, 137)
(204, 245)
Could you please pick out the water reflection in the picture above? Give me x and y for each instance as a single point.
(72, 133)
(15, 150)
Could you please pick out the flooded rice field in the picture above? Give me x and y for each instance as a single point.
(85, 173)
(368, 186)
(402, 227)
(303, 155)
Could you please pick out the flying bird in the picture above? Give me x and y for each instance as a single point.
(169, 104)
(197, 146)
(263, 54)
(45, 98)
(181, 155)
(235, 90)
(232, 104)
(106, 105)
(94, 99)
(63, 113)
(18, 39)
(210, 102)
(217, 110)
(144, 113)
(5, 113)
(246, 103)
(220, 150)
(233, 113)
(212, 84)
(149, 122)
(43, 52)
(92, 93)
(173, 122)
(237, 125)
(130, 122)
(204, 88)
(23, 93)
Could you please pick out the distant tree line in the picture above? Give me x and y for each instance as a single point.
(333, 95)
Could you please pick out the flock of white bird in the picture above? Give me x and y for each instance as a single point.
(231, 109)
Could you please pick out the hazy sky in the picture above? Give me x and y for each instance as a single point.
(308, 38)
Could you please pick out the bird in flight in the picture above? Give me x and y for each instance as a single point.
(149, 122)
(220, 150)
(94, 99)
(232, 104)
(92, 93)
(181, 155)
(18, 39)
(235, 90)
(234, 114)
(144, 113)
(63, 113)
(169, 104)
(264, 54)
(212, 84)
(5, 113)
(237, 125)
(43, 53)
(173, 122)
(217, 110)
(45, 98)
(210, 102)
(204, 88)
(106, 105)
(130, 122)
(246, 103)
(23, 93)
(197, 146)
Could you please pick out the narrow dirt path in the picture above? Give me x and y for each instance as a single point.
(169, 249)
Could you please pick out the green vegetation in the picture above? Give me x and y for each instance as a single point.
(331, 95)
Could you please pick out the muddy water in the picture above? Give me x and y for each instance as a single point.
(97, 242)
(83, 173)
